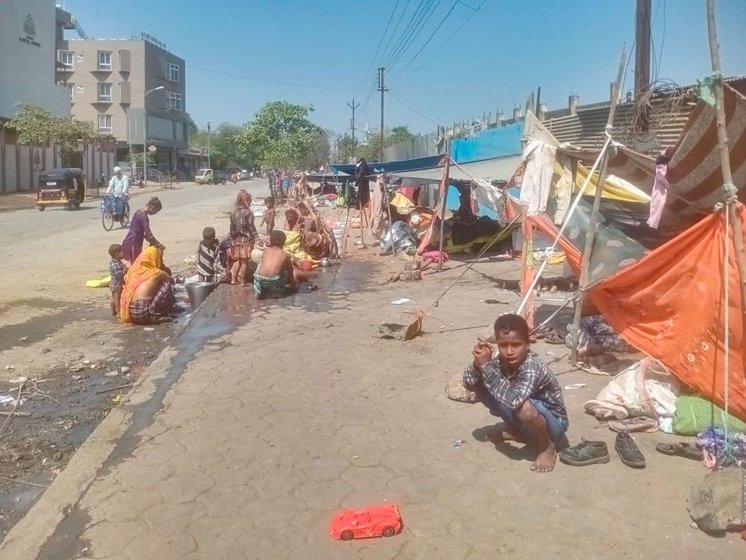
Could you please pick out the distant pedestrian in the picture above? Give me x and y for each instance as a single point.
(117, 270)
(140, 230)
(362, 182)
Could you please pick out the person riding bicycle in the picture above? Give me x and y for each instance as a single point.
(119, 186)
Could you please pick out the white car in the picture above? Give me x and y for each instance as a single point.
(203, 176)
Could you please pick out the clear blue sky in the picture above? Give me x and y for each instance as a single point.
(471, 65)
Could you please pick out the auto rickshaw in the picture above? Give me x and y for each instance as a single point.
(61, 187)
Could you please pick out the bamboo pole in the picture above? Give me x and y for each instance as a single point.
(722, 133)
(443, 196)
(591, 233)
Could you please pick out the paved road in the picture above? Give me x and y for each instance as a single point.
(22, 228)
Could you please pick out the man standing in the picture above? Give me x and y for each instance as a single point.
(119, 186)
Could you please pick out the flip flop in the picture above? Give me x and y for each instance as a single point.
(636, 424)
(680, 449)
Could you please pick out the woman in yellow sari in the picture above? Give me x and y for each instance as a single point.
(147, 296)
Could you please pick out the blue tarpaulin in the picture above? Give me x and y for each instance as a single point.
(375, 167)
(490, 143)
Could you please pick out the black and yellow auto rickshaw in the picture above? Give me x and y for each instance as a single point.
(61, 187)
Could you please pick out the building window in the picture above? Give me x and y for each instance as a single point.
(173, 72)
(104, 92)
(67, 59)
(104, 124)
(174, 101)
(104, 60)
(71, 91)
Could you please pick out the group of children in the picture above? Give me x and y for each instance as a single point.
(275, 274)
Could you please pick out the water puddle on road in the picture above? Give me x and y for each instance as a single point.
(227, 309)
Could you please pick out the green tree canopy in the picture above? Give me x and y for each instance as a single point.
(225, 150)
(371, 148)
(280, 134)
(39, 127)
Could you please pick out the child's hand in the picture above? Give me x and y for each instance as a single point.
(482, 353)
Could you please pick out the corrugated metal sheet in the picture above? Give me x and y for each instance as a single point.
(585, 129)
(422, 145)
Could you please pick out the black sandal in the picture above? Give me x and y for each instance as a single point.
(681, 449)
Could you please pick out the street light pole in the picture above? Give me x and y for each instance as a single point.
(145, 132)
(209, 166)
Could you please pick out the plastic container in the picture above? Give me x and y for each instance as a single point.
(198, 292)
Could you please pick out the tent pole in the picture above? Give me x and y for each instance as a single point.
(443, 196)
(723, 148)
(590, 234)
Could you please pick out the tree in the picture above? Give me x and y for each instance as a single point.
(345, 147)
(281, 135)
(39, 127)
(319, 152)
(225, 150)
(191, 127)
(371, 148)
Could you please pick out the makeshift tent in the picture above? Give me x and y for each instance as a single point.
(672, 303)
(670, 306)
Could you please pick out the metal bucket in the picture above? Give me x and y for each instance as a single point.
(198, 292)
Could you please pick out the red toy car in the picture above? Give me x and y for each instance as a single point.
(376, 521)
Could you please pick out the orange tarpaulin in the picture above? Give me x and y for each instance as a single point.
(670, 305)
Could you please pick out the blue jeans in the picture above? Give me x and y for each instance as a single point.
(556, 425)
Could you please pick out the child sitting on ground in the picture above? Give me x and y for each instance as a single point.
(276, 274)
(207, 256)
(269, 214)
(117, 270)
(519, 388)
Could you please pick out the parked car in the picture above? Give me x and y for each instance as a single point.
(203, 176)
(244, 176)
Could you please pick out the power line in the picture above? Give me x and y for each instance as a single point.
(413, 26)
(442, 21)
(268, 80)
(421, 24)
(383, 36)
(396, 28)
(454, 34)
(411, 106)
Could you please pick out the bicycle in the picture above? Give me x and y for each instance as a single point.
(107, 212)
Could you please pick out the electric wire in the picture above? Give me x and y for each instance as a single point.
(430, 38)
(422, 23)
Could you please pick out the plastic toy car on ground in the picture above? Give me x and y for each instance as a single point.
(376, 521)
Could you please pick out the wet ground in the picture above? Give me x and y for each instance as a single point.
(62, 408)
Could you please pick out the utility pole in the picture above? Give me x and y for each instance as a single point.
(642, 47)
(353, 106)
(382, 89)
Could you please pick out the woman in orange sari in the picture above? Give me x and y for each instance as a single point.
(147, 296)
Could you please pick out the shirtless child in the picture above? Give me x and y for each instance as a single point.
(276, 274)
(519, 388)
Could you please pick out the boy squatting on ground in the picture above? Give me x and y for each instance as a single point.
(276, 274)
(117, 270)
(519, 388)
(208, 259)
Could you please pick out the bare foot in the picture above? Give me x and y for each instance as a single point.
(507, 434)
(545, 460)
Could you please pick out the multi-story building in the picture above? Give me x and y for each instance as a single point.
(133, 90)
(28, 31)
